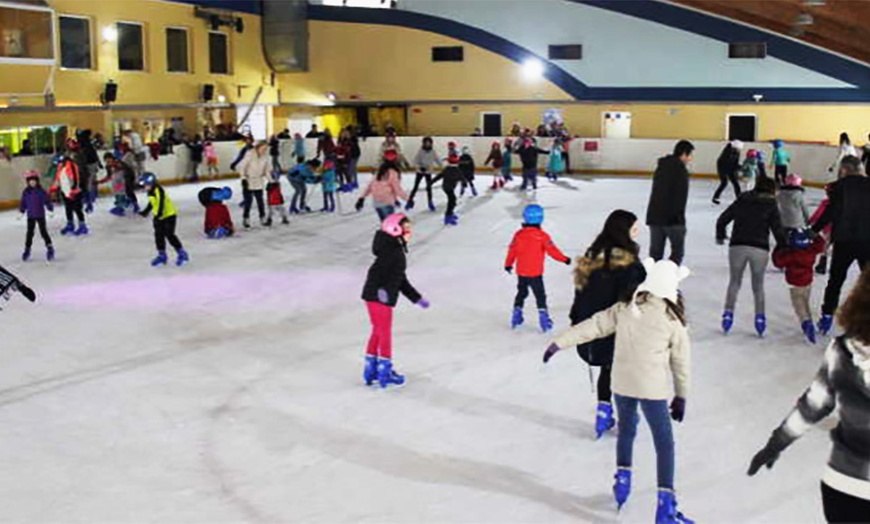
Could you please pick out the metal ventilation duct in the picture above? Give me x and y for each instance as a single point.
(285, 35)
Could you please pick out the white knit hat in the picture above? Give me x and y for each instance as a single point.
(662, 279)
(737, 144)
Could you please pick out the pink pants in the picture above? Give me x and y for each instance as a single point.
(381, 341)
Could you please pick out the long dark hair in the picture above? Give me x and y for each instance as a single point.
(383, 171)
(676, 309)
(616, 234)
(844, 139)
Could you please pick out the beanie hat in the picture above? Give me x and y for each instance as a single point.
(392, 225)
(793, 180)
(496, 144)
(662, 280)
(27, 175)
(533, 215)
(508, 142)
(466, 150)
(737, 144)
(451, 145)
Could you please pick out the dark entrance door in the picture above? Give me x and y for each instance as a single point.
(741, 127)
(491, 124)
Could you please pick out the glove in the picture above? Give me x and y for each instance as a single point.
(678, 409)
(509, 270)
(766, 457)
(720, 241)
(383, 296)
(552, 349)
(359, 204)
(568, 262)
(143, 213)
(423, 303)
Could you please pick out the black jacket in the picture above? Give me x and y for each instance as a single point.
(529, 156)
(848, 211)
(451, 175)
(196, 151)
(466, 165)
(670, 191)
(755, 216)
(599, 284)
(388, 271)
(728, 162)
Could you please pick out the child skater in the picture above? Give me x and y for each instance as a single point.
(328, 184)
(608, 273)
(792, 207)
(528, 250)
(798, 258)
(34, 202)
(165, 218)
(843, 381)
(211, 159)
(466, 165)
(385, 281)
(275, 200)
(66, 182)
(385, 188)
(451, 176)
(779, 161)
(529, 152)
(425, 160)
(299, 148)
(749, 169)
(497, 159)
(755, 216)
(556, 162)
(652, 349)
(299, 175)
(507, 160)
(218, 222)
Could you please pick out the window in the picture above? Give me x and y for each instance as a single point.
(26, 34)
(131, 47)
(747, 50)
(218, 54)
(75, 42)
(448, 54)
(177, 56)
(566, 52)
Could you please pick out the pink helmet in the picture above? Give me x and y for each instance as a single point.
(392, 225)
(451, 145)
(793, 180)
(751, 153)
(27, 175)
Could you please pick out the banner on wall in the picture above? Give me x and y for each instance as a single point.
(552, 116)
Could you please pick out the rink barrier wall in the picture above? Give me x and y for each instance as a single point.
(589, 156)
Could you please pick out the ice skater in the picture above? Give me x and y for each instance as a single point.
(666, 211)
(256, 170)
(34, 202)
(298, 176)
(528, 251)
(218, 223)
(66, 182)
(328, 185)
(728, 166)
(211, 159)
(276, 201)
(756, 217)
(496, 158)
(425, 160)
(797, 259)
(528, 152)
(842, 384)
(450, 177)
(779, 161)
(466, 165)
(556, 160)
(386, 280)
(792, 206)
(652, 350)
(384, 188)
(165, 220)
(608, 273)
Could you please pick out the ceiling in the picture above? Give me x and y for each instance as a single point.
(842, 26)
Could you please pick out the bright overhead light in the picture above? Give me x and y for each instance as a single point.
(110, 33)
(331, 96)
(533, 69)
(222, 99)
(814, 3)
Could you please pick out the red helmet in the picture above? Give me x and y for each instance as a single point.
(451, 145)
(752, 154)
(495, 144)
(507, 142)
(27, 175)
(453, 159)
(390, 155)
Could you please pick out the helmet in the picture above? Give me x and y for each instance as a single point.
(390, 155)
(453, 159)
(777, 143)
(27, 175)
(799, 239)
(392, 225)
(793, 180)
(451, 145)
(507, 142)
(148, 179)
(752, 153)
(533, 215)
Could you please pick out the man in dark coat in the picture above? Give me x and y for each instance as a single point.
(666, 213)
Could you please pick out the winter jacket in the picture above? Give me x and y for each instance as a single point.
(670, 191)
(328, 182)
(426, 160)
(556, 164)
(507, 160)
(388, 271)
(209, 151)
(256, 171)
(849, 210)
(781, 157)
(299, 147)
(66, 178)
(843, 381)
(34, 202)
(301, 173)
(274, 147)
(466, 165)
(750, 168)
(326, 146)
(273, 194)
(217, 215)
(385, 192)
(652, 346)
(599, 284)
(792, 209)
(728, 162)
(451, 176)
(798, 263)
(755, 216)
(496, 157)
(818, 213)
(159, 204)
(529, 155)
(844, 151)
(196, 151)
(528, 249)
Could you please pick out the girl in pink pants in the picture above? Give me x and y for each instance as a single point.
(385, 281)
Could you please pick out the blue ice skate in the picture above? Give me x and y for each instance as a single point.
(517, 318)
(26, 255)
(409, 205)
(621, 486)
(49, 253)
(809, 330)
(118, 211)
(183, 258)
(68, 229)
(727, 321)
(386, 375)
(432, 207)
(825, 324)
(760, 324)
(545, 320)
(604, 421)
(666, 512)
(160, 260)
(82, 230)
(370, 372)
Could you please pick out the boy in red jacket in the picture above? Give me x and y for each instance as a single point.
(527, 250)
(797, 258)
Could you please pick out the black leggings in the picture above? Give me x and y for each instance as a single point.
(420, 177)
(844, 254)
(74, 206)
(780, 172)
(165, 230)
(843, 508)
(724, 178)
(604, 393)
(31, 226)
(253, 194)
(537, 285)
(451, 200)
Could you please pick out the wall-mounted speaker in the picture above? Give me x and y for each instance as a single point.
(207, 92)
(110, 92)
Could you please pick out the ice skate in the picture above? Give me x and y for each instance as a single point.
(118, 211)
(386, 375)
(49, 253)
(545, 320)
(604, 421)
(760, 324)
(370, 371)
(621, 486)
(727, 321)
(285, 220)
(517, 318)
(666, 512)
(246, 223)
(26, 255)
(160, 260)
(82, 230)
(432, 206)
(809, 330)
(825, 324)
(183, 258)
(68, 229)
(409, 205)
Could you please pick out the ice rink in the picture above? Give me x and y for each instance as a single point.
(230, 390)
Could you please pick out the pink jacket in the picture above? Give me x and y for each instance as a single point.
(386, 192)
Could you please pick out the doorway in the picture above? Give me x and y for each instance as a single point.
(741, 127)
(491, 123)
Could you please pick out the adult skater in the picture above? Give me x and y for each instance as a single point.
(652, 351)
(666, 213)
(608, 273)
(755, 216)
(385, 281)
(255, 170)
(426, 159)
(728, 165)
(165, 220)
(849, 213)
(9, 283)
(843, 381)
(845, 149)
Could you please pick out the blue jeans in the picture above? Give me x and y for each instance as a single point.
(657, 416)
(384, 211)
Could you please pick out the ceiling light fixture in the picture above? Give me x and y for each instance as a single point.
(804, 19)
(533, 69)
(814, 3)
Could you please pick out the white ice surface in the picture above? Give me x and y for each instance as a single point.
(230, 390)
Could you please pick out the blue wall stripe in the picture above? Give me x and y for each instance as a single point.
(253, 7)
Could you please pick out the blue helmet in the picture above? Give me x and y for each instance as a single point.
(777, 143)
(148, 179)
(533, 215)
(799, 239)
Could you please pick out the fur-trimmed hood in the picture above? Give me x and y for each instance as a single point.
(619, 259)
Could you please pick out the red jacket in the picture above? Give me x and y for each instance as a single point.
(527, 250)
(217, 215)
(273, 194)
(798, 263)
